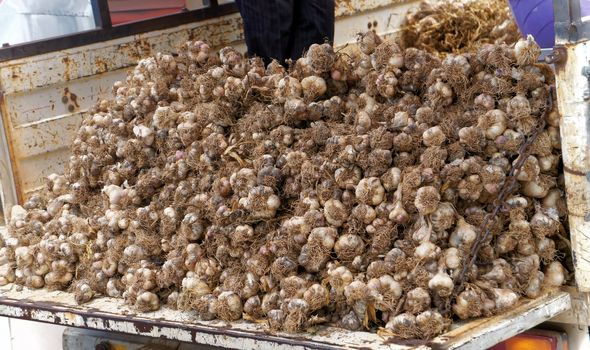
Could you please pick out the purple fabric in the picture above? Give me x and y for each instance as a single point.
(584, 8)
(535, 17)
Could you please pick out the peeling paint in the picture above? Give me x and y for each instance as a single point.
(44, 316)
(10, 311)
(110, 314)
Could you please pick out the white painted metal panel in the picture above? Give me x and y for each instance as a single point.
(28, 335)
(111, 314)
(5, 337)
(43, 128)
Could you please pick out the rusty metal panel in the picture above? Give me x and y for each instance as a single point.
(42, 123)
(44, 98)
(384, 17)
(110, 314)
(352, 7)
(71, 64)
(57, 100)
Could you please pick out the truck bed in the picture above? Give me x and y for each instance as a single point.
(111, 314)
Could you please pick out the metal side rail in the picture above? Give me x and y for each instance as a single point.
(109, 314)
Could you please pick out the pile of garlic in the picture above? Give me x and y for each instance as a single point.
(344, 190)
(449, 26)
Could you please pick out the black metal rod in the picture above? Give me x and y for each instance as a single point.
(113, 32)
(101, 13)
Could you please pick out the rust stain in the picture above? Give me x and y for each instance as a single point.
(143, 47)
(74, 99)
(16, 76)
(70, 66)
(221, 33)
(66, 62)
(68, 97)
(101, 65)
(144, 327)
(574, 172)
(136, 50)
(70, 316)
(562, 52)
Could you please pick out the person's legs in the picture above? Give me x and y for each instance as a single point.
(267, 27)
(313, 23)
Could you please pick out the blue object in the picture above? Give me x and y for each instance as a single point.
(535, 17)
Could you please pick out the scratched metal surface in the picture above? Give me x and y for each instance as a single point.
(109, 314)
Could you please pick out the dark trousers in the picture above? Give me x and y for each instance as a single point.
(283, 29)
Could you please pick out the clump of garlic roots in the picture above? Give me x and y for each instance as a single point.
(344, 190)
(452, 27)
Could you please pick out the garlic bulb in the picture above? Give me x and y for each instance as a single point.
(555, 275)
(417, 300)
(427, 199)
(316, 297)
(313, 87)
(441, 284)
(348, 246)
(370, 191)
(433, 136)
(430, 322)
(339, 278)
(493, 122)
(315, 252)
(452, 258)
(443, 218)
(147, 301)
(526, 51)
(335, 212)
(403, 324)
(426, 251)
(297, 310)
(463, 236)
(229, 306)
(469, 304)
(504, 298)
(399, 214)
(83, 292)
